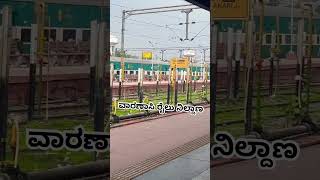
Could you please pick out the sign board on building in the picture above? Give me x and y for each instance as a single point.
(179, 63)
(147, 55)
(229, 9)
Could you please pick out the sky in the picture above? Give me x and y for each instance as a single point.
(161, 30)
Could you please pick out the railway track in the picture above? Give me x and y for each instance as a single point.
(222, 92)
(75, 84)
(56, 110)
(150, 117)
(240, 121)
(67, 108)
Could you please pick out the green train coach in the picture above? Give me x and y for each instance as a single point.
(270, 24)
(69, 19)
(132, 66)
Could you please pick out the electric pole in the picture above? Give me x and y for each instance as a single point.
(40, 5)
(188, 11)
(309, 55)
(204, 60)
(162, 52)
(93, 53)
(249, 83)
(180, 52)
(122, 54)
(4, 74)
(126, 14)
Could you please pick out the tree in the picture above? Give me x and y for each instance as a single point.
(118, 54)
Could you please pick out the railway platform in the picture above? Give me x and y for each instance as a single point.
(148, 145)
(305, 167)
(191, 166)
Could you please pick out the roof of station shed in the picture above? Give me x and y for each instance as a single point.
(204, 4)
(74, 2)
(273, 8)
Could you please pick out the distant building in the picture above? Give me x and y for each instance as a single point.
(113, 43)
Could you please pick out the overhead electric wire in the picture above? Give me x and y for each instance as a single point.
(156, 25)
(177, 24)
(145, 25)
(200, 32)
(170, 48)
(152, 24)
(132, 8)
(148, 24)
(140, 37)
(118, 5)
(175, 33)
(145, 22)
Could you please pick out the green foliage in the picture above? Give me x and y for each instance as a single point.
(295, 112)
(118, 54)
(37, 160)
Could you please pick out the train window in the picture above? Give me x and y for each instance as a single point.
(131, 72)
(294, 39)
(118, 72)
(26, 35)
(85, 35)
(257, 36)
(125, 72)
(307, 37)
(148, 72)
(318, 39)
(53, 34)
(69, 34)
(288, 39)
(280, 39)
(268, 38)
